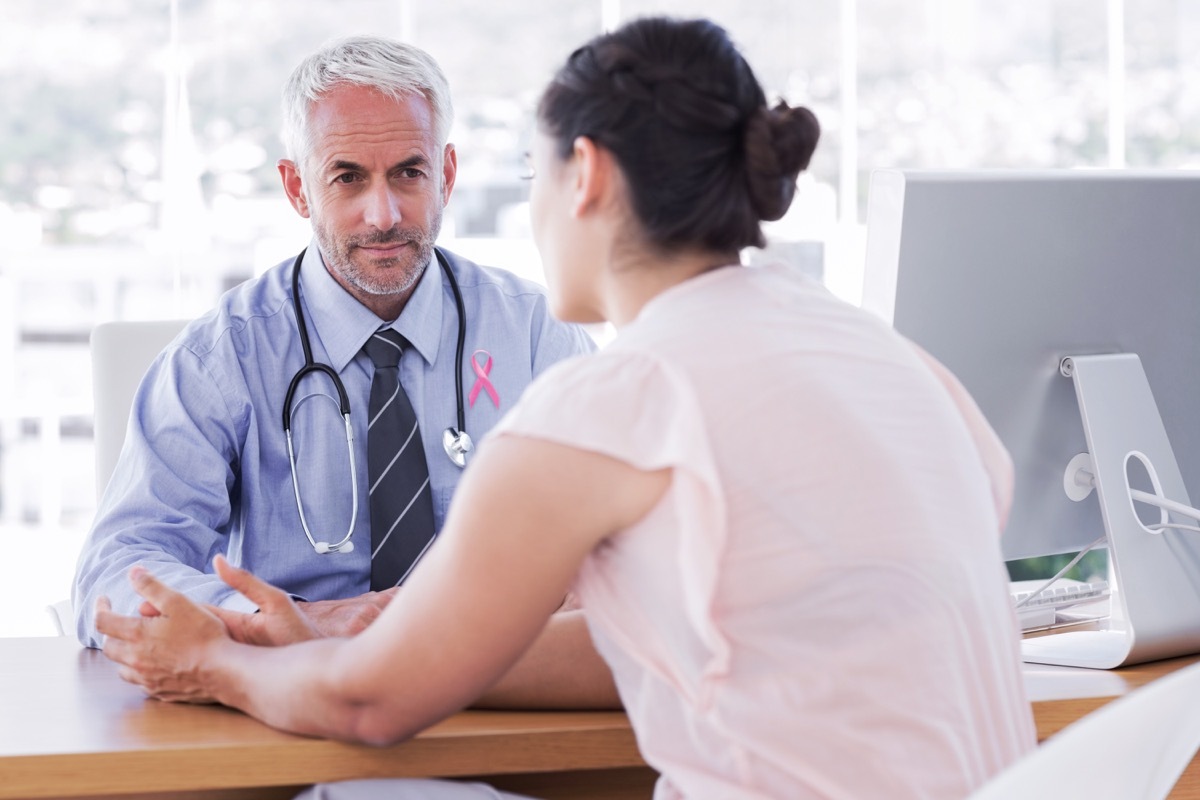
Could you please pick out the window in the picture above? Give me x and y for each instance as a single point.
(138, 180)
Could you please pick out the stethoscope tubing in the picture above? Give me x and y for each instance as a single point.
(312, 366)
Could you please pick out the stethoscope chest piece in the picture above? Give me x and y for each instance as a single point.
(457, 445)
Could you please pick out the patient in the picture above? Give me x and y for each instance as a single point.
(782, 518)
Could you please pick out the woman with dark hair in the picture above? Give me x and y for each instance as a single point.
(782, 518)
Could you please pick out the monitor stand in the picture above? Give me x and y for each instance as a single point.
(1154, 577)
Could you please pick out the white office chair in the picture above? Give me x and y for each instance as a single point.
(63, 617)
(121, 354)
(1136, 746)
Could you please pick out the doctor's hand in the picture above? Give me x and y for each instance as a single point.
(349, 616)
(168, 653)
(278, 621)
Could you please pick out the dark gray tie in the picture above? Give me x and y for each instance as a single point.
(401, 504)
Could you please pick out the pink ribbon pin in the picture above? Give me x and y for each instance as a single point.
(481, 379)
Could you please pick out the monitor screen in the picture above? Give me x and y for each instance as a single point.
(1000, 274)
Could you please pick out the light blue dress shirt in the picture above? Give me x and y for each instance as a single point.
(205, 470)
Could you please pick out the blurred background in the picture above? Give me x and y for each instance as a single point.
(138, 141)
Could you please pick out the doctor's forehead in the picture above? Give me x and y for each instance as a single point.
(370, 129)
(348, 110)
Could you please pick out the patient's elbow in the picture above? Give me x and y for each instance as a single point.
(378, 703)
(372, 717)
(379, 726)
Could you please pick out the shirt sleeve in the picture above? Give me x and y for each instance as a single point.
(638, 409)
(554, 340)
(167, 506)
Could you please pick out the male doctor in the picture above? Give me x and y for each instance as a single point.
(339, 514)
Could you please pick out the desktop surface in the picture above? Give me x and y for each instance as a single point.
(69, 727)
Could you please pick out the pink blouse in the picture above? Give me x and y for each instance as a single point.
(818, 605)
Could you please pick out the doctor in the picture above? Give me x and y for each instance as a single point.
(329, 510)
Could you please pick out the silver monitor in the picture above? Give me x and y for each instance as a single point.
(1068, 304)
(1001, 274)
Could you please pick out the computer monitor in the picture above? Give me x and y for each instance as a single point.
(1000, 275)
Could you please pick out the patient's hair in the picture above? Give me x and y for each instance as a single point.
(705, 158)
(393, 68)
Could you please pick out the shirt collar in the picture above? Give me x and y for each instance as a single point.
(343, 325)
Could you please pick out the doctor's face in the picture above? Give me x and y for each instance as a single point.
(374, 182)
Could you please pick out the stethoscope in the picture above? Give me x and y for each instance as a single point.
(455, 441)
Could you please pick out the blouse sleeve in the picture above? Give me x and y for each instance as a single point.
(638, 409)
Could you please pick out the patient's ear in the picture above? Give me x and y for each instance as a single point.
(594, 176)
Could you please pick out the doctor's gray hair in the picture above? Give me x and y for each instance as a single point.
(393, 68)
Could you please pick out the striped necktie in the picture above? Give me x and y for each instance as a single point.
(401, 500)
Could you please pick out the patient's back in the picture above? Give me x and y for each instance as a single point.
(819, 606)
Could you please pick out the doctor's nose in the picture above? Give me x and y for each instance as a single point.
(382, 209)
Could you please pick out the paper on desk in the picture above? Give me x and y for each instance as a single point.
(1050, 682)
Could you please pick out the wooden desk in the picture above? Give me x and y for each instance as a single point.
(69, 727)
(1062, 695)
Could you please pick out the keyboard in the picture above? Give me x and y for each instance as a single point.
(1042, 611)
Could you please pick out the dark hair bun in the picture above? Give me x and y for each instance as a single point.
(705, 159)
(779, 143)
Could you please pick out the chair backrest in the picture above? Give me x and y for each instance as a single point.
(1137, 746)
(62, 617)
(121, 354)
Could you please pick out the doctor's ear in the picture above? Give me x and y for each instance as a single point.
(293, 186)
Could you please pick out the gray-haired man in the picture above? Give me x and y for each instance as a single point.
(207, 467)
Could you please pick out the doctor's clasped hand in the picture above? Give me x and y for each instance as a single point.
(162, 652)
(163, 649)
(173, 633)
(344, 617)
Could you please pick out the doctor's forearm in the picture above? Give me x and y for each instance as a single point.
(560, 670)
